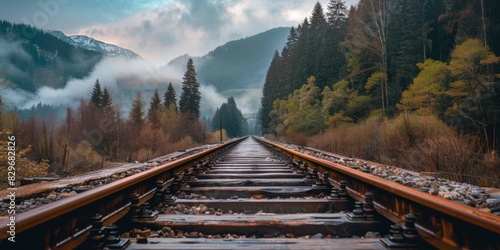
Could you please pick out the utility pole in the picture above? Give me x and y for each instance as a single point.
(221, 125)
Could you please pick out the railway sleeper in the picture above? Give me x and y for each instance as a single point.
(247, 206)
(224, 192)
(246, 182)
(336, 224)
(281, 243)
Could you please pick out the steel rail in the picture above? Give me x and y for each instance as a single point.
(442, 223)
(65, 224)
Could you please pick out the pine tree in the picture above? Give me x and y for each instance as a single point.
(155, 107)
(96, 97)
(189, 102)
(413, 38)
(170, 97)
(232, 119)
(137, 111)
(270, 91)
(334, 62)
(337, 13)
(106, 100)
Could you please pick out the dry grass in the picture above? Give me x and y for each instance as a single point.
(419, 143)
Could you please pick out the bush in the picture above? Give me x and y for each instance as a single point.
(83, 158)
(457, 158)
(414, 142)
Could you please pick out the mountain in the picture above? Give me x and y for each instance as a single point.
(239, 64)
(89, 43)
(31, 58)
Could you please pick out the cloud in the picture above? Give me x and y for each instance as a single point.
(196, 27)
(160, 30)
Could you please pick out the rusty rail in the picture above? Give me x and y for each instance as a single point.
(65, 224)
(442, 223)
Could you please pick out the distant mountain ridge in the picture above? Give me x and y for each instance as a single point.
(89, 43)
(31, 58)
(239, 64)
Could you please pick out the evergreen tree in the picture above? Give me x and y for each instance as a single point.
(337, 13)
(232, 119)
(155, 107)
(335, 61)
(317, 46)
(137, 111)
(270, 91)
(96, 97)
(170, 97)
(106, 100)
(413, 43)
(189, 102)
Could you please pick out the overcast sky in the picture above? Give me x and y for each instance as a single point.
(160, 30)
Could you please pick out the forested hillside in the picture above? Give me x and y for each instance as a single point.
(30, 58)
(386, 63)
(239, 64)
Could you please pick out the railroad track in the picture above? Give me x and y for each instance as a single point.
(253, 194)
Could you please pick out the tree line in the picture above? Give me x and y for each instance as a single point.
(412, 83)
(95, 133)
(386, 57)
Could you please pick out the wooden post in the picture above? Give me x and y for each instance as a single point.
(221, 125)
(64, 156)
(102, 162)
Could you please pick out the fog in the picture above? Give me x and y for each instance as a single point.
(123, 78)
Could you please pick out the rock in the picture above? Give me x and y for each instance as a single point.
(491, 201)
(434, 191)
(51, 196)
(202, 208)
(371, 234)
(317, 236)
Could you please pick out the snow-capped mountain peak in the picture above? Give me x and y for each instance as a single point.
(89, 43)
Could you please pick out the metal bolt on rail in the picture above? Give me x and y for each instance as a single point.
(326, 179)
(357, 214)
(96, 235)
(141, 211)
(168, 197)
(176, 183)
(334, 195)
(320, 183)
(195, 169)
(101, 237)
(369, 207)
(159, 193)
(185, 178)
(113, 240)
(147, 213)
(343, 189)
(135, 207)
(339, 193)
(402, 237)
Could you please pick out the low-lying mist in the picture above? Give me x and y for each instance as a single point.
(123, 77)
